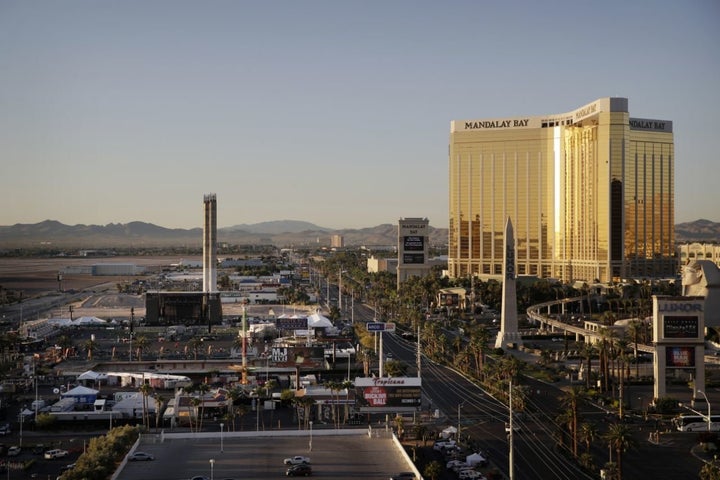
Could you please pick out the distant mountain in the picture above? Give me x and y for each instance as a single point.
(698, 231)
(276, 227)
(281, 233)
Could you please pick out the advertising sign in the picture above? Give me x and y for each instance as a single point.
(413, 258)
(414, 243)
(292, 323)
(374, 394)
(680, 327)
(680, 357)
(449, 299)
(313, 357)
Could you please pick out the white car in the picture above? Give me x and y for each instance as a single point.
(57, 453)
(455, 464)
(440, 444)
(297, 460)
(14, 451)
(141, 456)
(469, 474)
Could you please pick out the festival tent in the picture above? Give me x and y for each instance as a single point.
(91, 376)
(476, 459)
(82, 395)
(448, 432)
(89, 321)
(318, 321)
(59, 322)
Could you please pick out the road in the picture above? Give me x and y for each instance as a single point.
(536, 456)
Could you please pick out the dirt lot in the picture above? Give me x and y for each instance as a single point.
(36, 276)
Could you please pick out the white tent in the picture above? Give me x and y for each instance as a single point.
(91, 376)
(88, 321)
(59, 322)
(448, 432)
(318, 321)
(475, 459)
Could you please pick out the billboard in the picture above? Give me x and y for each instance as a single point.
(680, 327)
(387, 393)
(313, 357)
(287, 323)
(680, 357)
(414, 243)
(449, 299)
(413, 258)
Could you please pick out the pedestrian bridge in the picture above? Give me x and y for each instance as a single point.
(584, 330)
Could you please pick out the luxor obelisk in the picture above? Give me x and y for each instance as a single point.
(508, 334)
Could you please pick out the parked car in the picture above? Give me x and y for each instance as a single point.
(299, 470)
(469, 475)
(403, 476)
(141, 456)
(5, 429)
(56, 453)
(440, 444)
(297, 460)
(14, 451)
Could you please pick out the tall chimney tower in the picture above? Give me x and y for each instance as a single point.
(210, 244)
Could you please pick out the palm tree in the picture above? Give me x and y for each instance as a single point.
(433, 470)
(202, 389)
(159, 402)
(141, 343)
(571, 400)
(90, 346)
(65, 343)
(194, 344)
(195, 402)
(588, 434)
(588, 350)
(145, 390)
(619, 437)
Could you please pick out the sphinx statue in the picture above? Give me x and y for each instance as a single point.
(701, 278)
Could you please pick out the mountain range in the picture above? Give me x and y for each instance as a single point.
(282, 233)
(50, 233)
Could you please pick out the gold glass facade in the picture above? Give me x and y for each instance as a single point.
(589, 192)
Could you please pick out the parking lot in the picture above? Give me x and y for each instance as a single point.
(358, 455)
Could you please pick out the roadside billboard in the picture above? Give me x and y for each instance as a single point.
(388, 393)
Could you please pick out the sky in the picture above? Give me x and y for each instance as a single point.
(332, 112)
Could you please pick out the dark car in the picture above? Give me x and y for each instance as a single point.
(403, 476)
(301, 470)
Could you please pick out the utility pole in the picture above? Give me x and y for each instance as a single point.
(511, 460)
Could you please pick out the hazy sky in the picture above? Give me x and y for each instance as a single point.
(334, 112)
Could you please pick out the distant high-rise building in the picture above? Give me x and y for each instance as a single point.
(210, 244)
(590, 194)
(337, 241)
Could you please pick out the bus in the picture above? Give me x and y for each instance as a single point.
(696, 423)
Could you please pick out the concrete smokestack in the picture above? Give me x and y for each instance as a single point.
(210, 244)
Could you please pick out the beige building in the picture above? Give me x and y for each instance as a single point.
(590, 194)
(691, 252)
(337, 241)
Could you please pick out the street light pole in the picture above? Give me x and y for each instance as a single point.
(222, 425)
(460, 405)
(212, 468)
(310, 442)
(709, 416)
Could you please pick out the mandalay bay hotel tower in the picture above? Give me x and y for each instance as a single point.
(590, 195)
